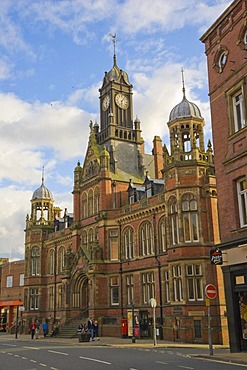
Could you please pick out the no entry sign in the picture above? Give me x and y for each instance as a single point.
(211, 291)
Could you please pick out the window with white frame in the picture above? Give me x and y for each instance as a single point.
(190, 218)
(51, 297)
(35, 261)
(146, 239)
(21, 281)
(96, 200)
(9, 282)
(34, 299)
(173, 214)
(61, 259)
(238, 110)
(52, 262)
(84, 205)
(242, 201)
(177, 283)
(148, 287)
(114, 290)
(129, 243)
(130, 289)
(194, 282)
(90, 203)
(162, 235)
(167, 286)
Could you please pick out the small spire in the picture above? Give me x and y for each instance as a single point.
(43, 175)
(182, 71)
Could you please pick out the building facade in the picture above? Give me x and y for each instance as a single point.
(11, 294)
(226, 51)
(142, 227)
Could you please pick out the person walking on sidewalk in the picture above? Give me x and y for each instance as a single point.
(96, 329)
(90, 326)
(32, 329)
(45, 328)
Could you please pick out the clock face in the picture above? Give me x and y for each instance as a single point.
(106, 102)
(122, 101)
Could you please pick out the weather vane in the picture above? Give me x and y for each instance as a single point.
(114, 39)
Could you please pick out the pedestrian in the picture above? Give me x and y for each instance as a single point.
(37, 330)
(90, 326)
(32, 329)
(45, 328)
(96, 329)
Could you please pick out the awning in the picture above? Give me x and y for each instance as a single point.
(11, 303)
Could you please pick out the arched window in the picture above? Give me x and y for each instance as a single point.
(84, 205)
(52, 262)
(84, 237)
(96, 200)
(90, 237)
(173, 216)
(128, 242)
(61, 261)
(190, 218)
(146, 239)
(162, 235)
(90, 203)
(35, 261)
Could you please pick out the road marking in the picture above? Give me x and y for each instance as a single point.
(54, 368)
(24, 358)
(9, 345)
(93, 359)
(222, 362)
(17, 356)
(33, 361)
(161, 362)
(186, 367)
(31, 348)
(59, 353)
(42, 364)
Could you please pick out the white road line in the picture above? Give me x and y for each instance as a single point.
(93, 359)
(33, 361)
(161, 362)
(9, 353)
(59, 353)
(32, 348)
(9, 345)
(17, 356)
(24, 358)
(42, 364)
(186, 367)
(54, 368)
(225, 362)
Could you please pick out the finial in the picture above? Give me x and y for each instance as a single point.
(43, 175)
(182, 71)
(114, 39)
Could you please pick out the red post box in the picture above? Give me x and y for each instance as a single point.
(124, 328)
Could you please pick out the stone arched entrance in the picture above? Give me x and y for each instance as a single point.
(79, 292)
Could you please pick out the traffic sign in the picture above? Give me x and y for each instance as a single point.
(211, 291)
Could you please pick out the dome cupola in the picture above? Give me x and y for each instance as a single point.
(42, 192)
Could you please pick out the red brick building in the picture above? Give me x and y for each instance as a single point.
(142, 227)
(11, 294)
(226, 50)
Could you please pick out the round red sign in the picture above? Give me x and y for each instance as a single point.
(211, 291)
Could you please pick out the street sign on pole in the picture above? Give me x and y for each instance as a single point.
(153, 304)
(211, 291)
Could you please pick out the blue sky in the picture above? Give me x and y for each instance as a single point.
(53, 55)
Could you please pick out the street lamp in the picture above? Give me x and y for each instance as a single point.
(133, 325)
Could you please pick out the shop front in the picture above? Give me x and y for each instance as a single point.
(10, 314)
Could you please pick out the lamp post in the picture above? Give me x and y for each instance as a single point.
(133, 325)
(55, 286)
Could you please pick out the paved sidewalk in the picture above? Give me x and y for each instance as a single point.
(221, 353)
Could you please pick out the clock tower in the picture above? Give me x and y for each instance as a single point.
(116, 108)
